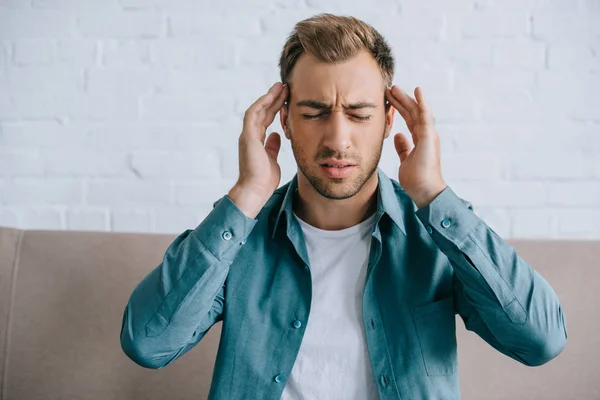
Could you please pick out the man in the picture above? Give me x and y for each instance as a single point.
(343, 283)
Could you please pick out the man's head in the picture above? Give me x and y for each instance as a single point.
(337, 69)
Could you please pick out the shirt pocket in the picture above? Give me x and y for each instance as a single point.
(435, 324)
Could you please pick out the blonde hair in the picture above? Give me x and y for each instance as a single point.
(332, 38)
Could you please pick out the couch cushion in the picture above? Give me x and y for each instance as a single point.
(72, 288)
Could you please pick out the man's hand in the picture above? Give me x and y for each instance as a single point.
(259, 171)
(420, 171)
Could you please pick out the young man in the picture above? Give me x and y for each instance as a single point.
(343, 283)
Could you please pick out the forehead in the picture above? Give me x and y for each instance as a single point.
(356, 79)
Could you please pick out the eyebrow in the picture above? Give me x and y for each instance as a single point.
(322, 106)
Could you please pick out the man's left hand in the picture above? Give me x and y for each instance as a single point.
(420, 171)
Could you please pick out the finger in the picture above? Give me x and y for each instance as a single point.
(252, 114)
(273, 145)
(402, 146)
(426, 115)
(398, 106)
(408, 102)
(405, 114)
(269, 113)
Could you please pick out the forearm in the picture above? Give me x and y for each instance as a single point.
(519, 309)
(181, 295)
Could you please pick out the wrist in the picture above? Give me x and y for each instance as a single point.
(248, 201)
(426, 196)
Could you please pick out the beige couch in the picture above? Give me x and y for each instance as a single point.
(62, 296)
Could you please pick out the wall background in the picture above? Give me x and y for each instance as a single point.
(124, 115)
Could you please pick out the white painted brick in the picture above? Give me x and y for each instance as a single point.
(100, 108)
(534, 223)
(47, 24)
(21, 163)
(74, 4)
(41, 135)
(9, 217)
(543, 6)
(202, 193)
(34, 79)
(433, 80)
(39, 192)
(120, 81)
(42, 219)
(446, 109)
(503, 194)
(591, 5)
(34, 52)
(580, 223)
(203, 163)
(220, 135)
(509, 109)
(131, 221)
(187, 108)
(84, 84)
(566, 27)
(85, 163)
(76, 52)
(128, 192)
(128, 24)
(480, 24)
(132, 136)
(193, 53)
(519, 53)
(4, 54)
(492, 82)
(124, 53)
(470, 167)
(574, 56)
(177, 220)
(195, 24)
(551, 137)
(86, 219)
(20, 107)
(557, 166)
(565, 84)
(578, 194)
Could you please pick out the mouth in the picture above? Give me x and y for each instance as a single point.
(338, 169)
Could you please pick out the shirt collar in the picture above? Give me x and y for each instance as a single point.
(387, 202)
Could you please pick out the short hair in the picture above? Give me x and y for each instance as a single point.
(333, 38)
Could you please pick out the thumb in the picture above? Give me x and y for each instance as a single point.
(402, 146)
(273, 145)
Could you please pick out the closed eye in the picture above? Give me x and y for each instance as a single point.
(356, 117)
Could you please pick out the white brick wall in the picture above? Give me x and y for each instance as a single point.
(124, 115)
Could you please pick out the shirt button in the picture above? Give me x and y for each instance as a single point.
(384, 380)
(446, 223)
(297, 324)
(278, 378)
(429, 230)
(227, 235)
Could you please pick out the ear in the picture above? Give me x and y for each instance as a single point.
(283, 119)
(390, 111)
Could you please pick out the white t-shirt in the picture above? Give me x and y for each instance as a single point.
(333, 361)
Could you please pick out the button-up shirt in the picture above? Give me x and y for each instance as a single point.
(425, 266)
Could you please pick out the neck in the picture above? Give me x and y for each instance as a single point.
(328, 214)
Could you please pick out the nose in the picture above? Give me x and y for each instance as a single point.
(337, 132)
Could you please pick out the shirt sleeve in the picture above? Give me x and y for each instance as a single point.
(173, 307)
(498, 295)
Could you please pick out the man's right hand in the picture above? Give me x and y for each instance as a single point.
(259, 171)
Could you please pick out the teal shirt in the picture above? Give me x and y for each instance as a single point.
(425, 266)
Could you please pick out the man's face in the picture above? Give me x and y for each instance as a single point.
(336, 117)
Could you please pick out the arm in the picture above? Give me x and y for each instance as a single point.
(174, 306)
(498, 295)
